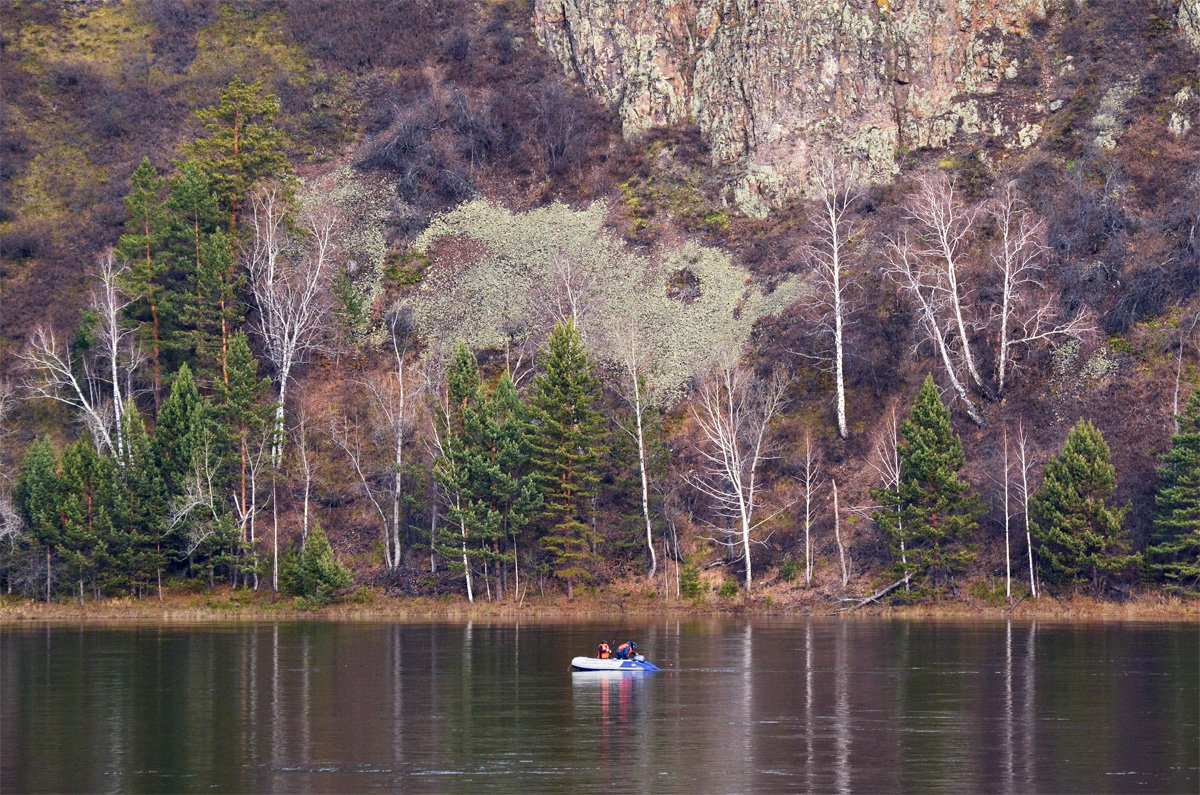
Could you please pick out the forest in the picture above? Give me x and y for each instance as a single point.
(311, 300)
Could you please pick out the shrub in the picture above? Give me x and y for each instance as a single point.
(728, 589)
(689, 581)
(788, 569)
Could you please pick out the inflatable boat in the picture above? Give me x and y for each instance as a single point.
(636, 665)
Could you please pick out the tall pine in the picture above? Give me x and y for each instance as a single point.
(930, 517)
(565, 433)
(141, 249)
(242, 144)
(37, 497)
(1173, 557)
(1081, 537)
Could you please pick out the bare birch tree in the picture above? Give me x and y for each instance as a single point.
(383, 451)
(907, 268)
(945, 225)
(55, 374)
(887, 464)
(10, 520)
(836, 232)
(734, 412)
(1007, 518)
(811, 476)
(837, 534)
(1024, 462)
(640, 399)
(288, 281)
(1019, 259)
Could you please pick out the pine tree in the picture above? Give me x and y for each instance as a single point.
(241, 144)
(932, 512)
(513, 489)
(1080, 535)
(89, 503)
(137, 546)
(460, 469)
(1173, 557)
(141, 247)
(198, 248)
(240, 415)
(565, 433)
(178, 435)
(37, 497)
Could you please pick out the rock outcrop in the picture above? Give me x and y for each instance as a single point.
(776, 84)
(1189, 21)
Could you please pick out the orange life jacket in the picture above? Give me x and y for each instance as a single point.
(625, 651)
(603, 651)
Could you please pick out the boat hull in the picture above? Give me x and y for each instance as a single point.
(623, 666)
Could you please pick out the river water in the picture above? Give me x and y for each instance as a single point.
(865, 705)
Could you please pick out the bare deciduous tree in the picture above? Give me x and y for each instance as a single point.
(10, 520)
(887, 464)
(945, 225)
(734, 412)
(836, 232)
(906, 266)
(391, 407)
(640, 398)
(1019, 261)
(811, 477)
(55, 374)
(837, 534)
(1024, 462)
(289, 286)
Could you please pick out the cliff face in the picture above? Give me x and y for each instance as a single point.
(774, 84)
(1189, 21)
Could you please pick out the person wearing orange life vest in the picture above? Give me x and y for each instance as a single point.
(627, 650)
(603, 650)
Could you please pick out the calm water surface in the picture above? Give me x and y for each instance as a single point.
(741, 705)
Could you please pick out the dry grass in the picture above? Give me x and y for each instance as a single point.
(632, 598)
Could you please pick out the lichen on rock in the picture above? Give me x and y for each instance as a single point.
(775, 85)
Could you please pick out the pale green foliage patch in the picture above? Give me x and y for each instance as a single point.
(511, 284)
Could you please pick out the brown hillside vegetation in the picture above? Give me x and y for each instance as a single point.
(440, 102)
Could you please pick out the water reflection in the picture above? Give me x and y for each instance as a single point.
(844, 706)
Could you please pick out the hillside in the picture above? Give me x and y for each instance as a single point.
(478, 172)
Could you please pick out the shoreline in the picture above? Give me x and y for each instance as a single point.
(246, 607)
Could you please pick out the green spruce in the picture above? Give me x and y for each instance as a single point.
(1081, 536)
(930, 518)
(1173, 557)
(565, 433)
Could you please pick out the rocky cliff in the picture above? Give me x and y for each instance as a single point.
(1189, 21)
(776, 84)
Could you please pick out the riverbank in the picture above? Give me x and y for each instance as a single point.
(224, 605)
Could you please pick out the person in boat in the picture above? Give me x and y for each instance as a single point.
(627, 650)
(603, 650)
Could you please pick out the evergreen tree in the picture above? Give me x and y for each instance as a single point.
(141, 247)
(314, 573)
(241, 144)
(1174, 555)
(564, 436)
(512, 488)
(198, 248)
(89, 503)
(1080, 535)
(240, 413)
(177, 439)
(37, 497)
(930, 517)
(137, 543)
(458, 471)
